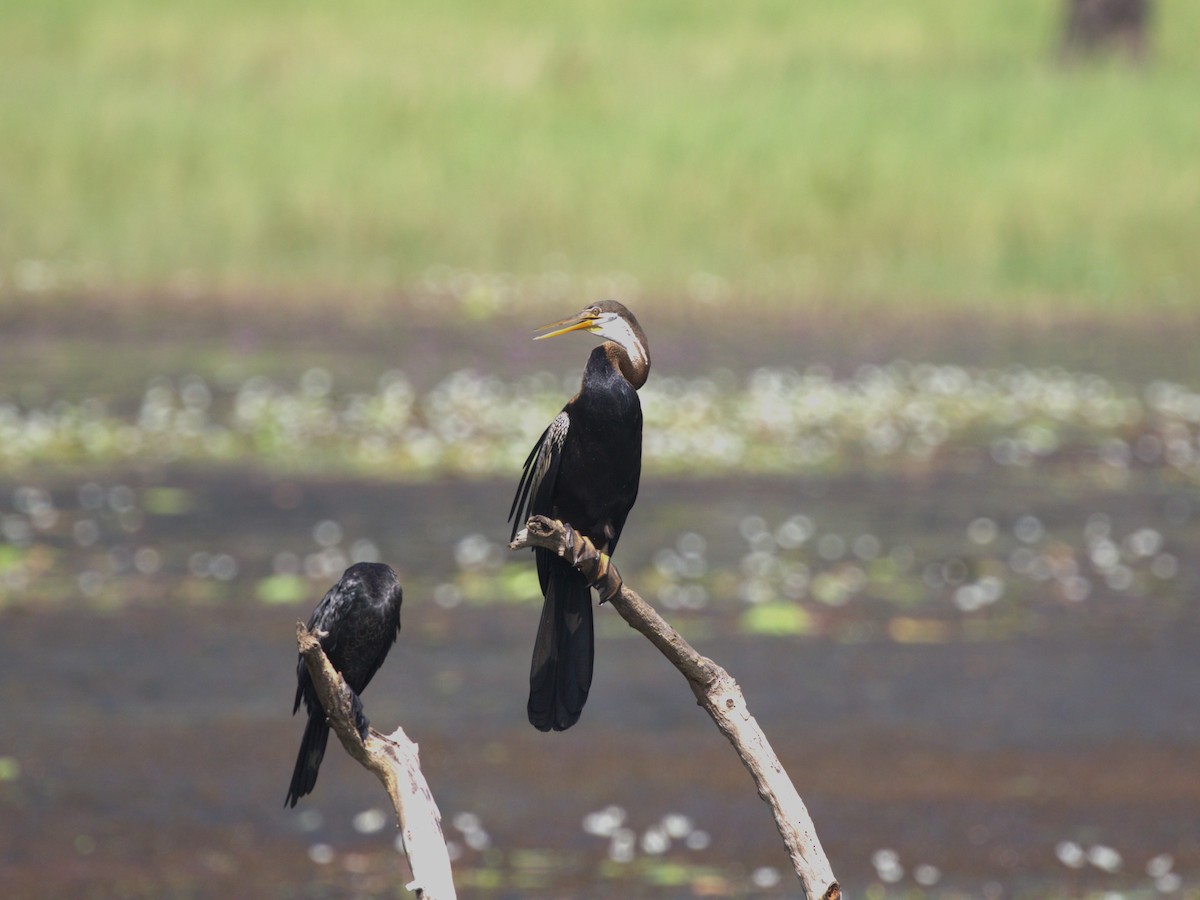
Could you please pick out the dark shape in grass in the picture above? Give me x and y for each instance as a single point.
(1094, 26)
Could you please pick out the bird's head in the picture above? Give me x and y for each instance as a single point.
(605, 317)
(612, 321)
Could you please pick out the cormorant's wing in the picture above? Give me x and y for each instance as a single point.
(320, 620)
(535, 492)
(561, 671)
(387, 629)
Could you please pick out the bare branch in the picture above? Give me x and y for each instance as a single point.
(715, 690)
(394, 759)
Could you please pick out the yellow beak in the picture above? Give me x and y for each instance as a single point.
(577, 322)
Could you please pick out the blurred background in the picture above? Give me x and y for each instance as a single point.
(922, 446)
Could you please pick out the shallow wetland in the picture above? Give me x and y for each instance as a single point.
(959, 598)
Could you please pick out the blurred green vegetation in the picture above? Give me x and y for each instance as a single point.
(926, 152)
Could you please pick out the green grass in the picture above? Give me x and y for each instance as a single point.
(919, 152)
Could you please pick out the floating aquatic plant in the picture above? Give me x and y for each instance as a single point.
(774, 421)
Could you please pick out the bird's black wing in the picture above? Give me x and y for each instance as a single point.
(560, 674)
(384, 631)
(376, 628)
(535, 493)
(324, 619)
(316, 731)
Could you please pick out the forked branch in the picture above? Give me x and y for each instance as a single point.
(394, 760)
(715, 691)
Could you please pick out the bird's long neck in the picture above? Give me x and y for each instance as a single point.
(633, 362)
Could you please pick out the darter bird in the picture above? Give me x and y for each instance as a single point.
(584, 471)
(356, 623)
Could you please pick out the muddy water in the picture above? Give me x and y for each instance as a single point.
(145, 735)
(155, 749)
(154, 742)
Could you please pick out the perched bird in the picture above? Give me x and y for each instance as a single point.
(584, 470)
(356, 623)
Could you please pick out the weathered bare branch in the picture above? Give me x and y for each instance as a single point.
(394, 759)
(716, 692)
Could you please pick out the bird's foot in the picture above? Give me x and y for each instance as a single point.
(561, 538)
(595, 565)
(608, 583)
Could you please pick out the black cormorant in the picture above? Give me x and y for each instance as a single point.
(357, 623)
(584, 470)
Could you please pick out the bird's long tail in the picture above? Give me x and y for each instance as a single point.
(312, 751)
(561, 673)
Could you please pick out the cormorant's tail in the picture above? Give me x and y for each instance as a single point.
(561, 674)
(312, 751)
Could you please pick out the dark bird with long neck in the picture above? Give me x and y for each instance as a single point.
(356, 622)
(584, 470)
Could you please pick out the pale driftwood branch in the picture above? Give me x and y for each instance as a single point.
(395, 761)
(715, 690)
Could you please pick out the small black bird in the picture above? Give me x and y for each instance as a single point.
(358, 621)
(584, 470)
